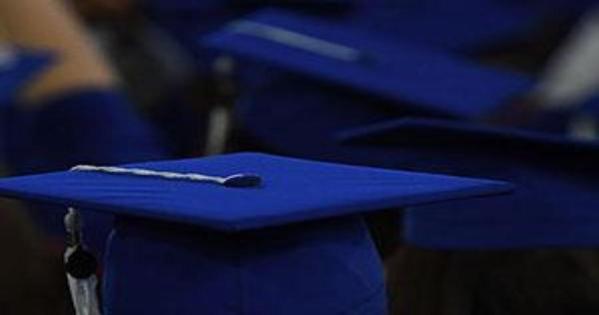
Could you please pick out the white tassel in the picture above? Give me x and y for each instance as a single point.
(236, 180)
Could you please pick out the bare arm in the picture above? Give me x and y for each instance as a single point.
(51, 25)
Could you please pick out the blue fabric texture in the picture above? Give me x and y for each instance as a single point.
(397, 71)
(25, 65)
(328, 267)
(554, 203)
(88, 126)
(293, 190)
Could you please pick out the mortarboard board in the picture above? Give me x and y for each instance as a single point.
(554, 204)
(396, 71)
(291, 243)
(17, 66)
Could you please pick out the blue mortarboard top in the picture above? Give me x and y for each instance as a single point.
(17, 66)
(365, 62)
(555, 203)
(183, 247)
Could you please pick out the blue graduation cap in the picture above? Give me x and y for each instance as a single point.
(244, 233)
(401, 73)
(554, 204)
(18, 66)
(309, 79)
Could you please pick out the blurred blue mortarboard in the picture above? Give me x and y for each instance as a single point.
(404, 74)
(17, 67)
(290, 244)
(307, 93)
(555, 203)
